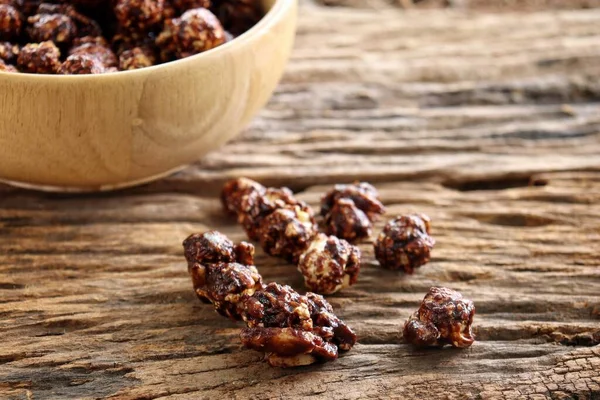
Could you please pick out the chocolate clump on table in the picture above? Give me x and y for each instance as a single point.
(286, 233)
(348, 211)
(221, 271)
(234, 192)
(258, 205)
(405, 243)
(96, 36)
(329, 264)
(444, 318)
(290, 328)
(253, 202)
(285, 227)
(282, 224)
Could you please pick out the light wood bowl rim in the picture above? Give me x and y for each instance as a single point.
(274, 14)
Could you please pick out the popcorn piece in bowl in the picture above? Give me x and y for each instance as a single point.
(58, 28)
(41, 58)
(197, 30)
(78, 64)
(7, 67)
(11, 22)
(134, 59)
(9, 52)
(184, 5)
(139, 15)
(94, 46)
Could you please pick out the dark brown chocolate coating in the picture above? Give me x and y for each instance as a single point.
(280, 306)
(213, 247)
(11, 22)
(235, 191)
(81, 64)
(135, 58)
(142, 33)
(85, 26)
(182, 6)
(237, 16)
(124, 41)
(444, 317)
(286, 233)
(25, 7)
(347, 221)
(40, 58)
(349, 210)
(328, 324)
(293, 329)
(221, 271)
(405, 244)
(277, 306)
(329, 264)
(9, 52)
(256, 205)
(91, 4)
(58, 28)
(7, 67)
(288, 347)
(196, 31)
(139, 15)
(363, 194)
(223, 284)
(96, 47)
(281, 223)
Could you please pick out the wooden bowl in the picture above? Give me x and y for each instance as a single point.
(101, 132)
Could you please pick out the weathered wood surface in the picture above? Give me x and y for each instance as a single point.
(489, 123)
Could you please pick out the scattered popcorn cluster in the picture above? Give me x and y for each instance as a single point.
(291, 329)
(294, 329)
(285, 227)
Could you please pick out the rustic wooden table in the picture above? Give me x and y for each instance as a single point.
(489, 123)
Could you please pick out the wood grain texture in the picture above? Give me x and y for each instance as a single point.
(488, 124)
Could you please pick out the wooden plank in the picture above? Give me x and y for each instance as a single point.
(489, 125)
